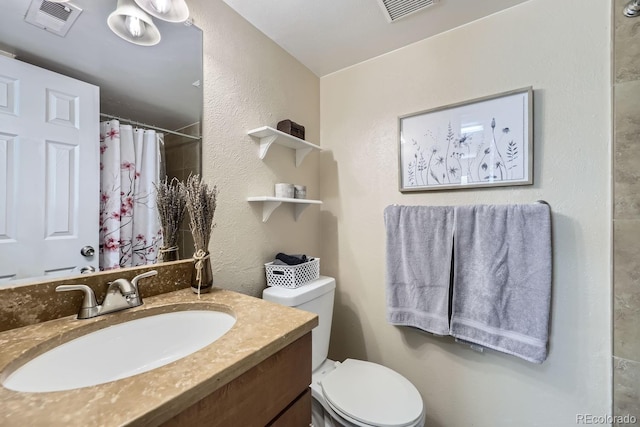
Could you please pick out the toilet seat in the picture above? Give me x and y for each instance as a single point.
(367, 394)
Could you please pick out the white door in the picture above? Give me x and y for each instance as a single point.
(49, 172)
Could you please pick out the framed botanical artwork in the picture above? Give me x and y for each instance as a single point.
(479, 143)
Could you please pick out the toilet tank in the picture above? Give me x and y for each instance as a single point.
(316, 297)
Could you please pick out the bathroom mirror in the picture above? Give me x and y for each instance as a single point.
(159, 86)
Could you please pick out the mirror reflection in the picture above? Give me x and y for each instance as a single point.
(71, 202)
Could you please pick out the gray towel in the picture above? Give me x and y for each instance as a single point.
(502, 278)
(419, 249)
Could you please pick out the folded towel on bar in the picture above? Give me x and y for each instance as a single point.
(502, 278)
(418, 253)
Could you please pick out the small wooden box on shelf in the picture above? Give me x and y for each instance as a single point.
(292, 128)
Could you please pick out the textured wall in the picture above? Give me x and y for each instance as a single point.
(626, 237)
(250, 82)
(562, 49)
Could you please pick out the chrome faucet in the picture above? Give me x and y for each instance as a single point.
(121, 294)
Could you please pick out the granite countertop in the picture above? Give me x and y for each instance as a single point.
(262, 328)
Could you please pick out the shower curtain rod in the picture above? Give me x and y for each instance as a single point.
(133, 122)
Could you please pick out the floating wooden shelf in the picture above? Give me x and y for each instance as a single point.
(269, 204)
(268, 135)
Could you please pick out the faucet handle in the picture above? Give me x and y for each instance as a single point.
(89, 304)
(150, 273)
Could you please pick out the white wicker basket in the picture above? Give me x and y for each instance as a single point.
(292, 276)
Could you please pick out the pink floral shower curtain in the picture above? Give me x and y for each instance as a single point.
(130, 232)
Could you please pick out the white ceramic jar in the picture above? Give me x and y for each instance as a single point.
(284, 190)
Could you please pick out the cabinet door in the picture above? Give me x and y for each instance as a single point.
(49, 171)
(298, 414)
(258, 397)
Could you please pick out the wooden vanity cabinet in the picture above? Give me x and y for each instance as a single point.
(273, 393)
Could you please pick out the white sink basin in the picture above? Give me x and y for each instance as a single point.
(120, 351)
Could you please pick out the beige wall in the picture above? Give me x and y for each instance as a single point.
(562, 49)
(250, 82)
(626, 237)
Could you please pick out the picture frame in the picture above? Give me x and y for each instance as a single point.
(484, 142)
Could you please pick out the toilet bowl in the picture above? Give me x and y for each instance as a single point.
(352, 393)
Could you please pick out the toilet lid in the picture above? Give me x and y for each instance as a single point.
(372, 394)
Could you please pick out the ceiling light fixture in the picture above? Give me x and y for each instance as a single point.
(133, 25)
(167, 10)
(632, 9)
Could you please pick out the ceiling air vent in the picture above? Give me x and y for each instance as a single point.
(396, 9)
(54, 17)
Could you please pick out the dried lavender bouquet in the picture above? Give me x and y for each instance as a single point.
(201, 203)
(171, 200)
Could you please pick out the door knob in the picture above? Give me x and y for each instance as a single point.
(87, 251)
(88, 269)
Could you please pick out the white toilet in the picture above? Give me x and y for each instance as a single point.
(354, 392)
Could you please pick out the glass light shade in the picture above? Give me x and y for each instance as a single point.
(161, 6)
(135, 26)
(132, 24)
(177, 11)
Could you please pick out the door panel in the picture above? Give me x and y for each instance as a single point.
(8, 95)
(61, 191)
(8, 209)
(62, 109)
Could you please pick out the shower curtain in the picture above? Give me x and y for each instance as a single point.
(130, 232)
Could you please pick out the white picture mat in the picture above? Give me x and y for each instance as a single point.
(479, 143)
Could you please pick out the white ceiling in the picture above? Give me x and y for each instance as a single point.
(328, 35)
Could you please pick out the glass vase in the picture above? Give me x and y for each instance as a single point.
(169, 254)
(203, 273)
